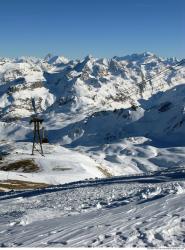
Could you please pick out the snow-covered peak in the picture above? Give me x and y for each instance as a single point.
(26, 59)
(48, 57)
(85, 63)
(89, 57)
(136, 57)
(56, 60)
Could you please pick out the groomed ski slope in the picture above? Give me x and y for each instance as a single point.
(141, 210)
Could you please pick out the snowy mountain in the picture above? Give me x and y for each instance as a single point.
(91, 84)
(56, 60)
(97, 103)
(116, 152)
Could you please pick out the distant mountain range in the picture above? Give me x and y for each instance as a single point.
(71, 86)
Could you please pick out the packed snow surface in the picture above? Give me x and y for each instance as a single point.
(142, 211)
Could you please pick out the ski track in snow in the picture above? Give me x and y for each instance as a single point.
(117, 213)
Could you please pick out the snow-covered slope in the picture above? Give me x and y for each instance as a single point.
(110, 109)
(138, 211)
(56, 60)
(20, 80)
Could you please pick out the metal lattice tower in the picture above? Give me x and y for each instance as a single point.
(37, 139)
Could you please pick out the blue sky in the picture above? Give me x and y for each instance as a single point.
(103, 28)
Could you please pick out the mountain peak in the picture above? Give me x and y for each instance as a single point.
(48, 57)
(88, 57)
(56, 59)
(135, 56)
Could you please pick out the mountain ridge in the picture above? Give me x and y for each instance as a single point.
(77, 85)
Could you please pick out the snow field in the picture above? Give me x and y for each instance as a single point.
(116, 215)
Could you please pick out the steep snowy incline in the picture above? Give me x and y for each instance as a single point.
(143, 211)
